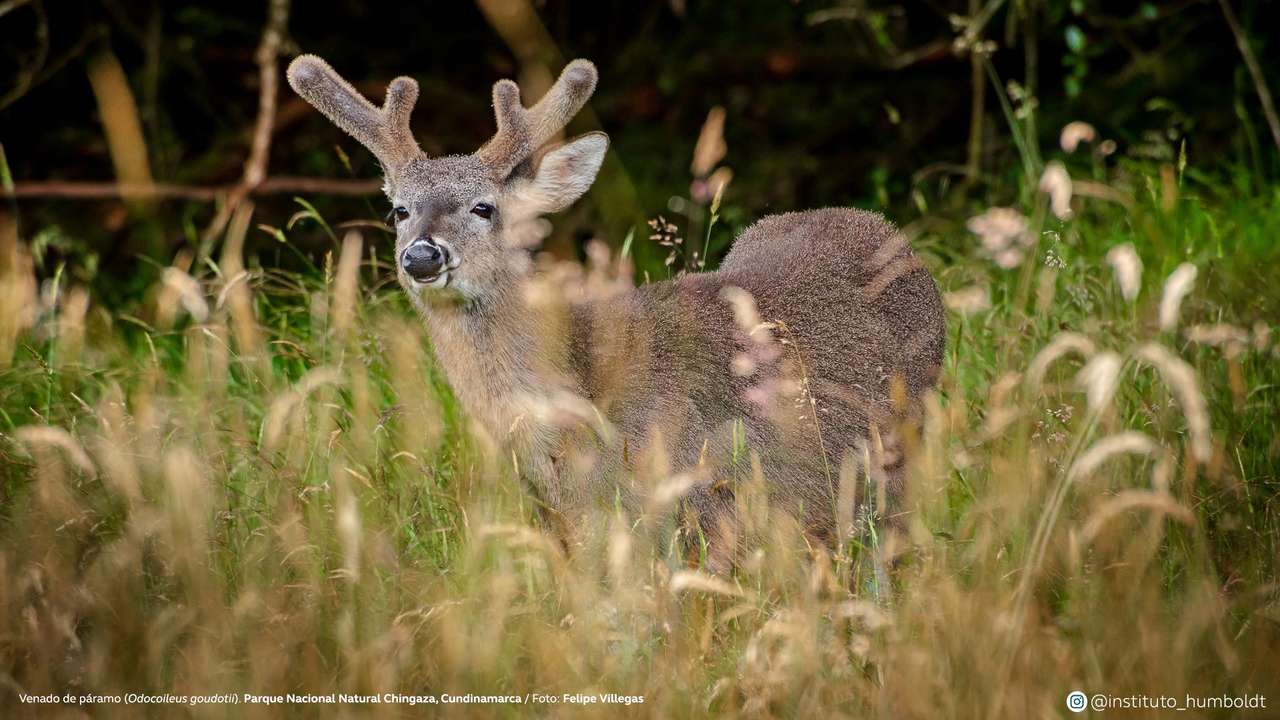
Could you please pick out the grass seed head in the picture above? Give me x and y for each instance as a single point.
(1127, 266)
(1176, 287)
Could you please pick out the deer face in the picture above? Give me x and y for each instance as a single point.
(453, 215)
(448, 226)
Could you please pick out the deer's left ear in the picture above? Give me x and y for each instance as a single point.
(563, 174)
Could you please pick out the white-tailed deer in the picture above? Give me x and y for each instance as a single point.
(681, 369)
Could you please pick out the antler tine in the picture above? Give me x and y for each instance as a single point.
(384, 131)
(522, 131)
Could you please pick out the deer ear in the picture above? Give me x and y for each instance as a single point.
(563, 174)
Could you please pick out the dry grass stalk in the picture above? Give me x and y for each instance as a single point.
(179, 290)
(346, 285)
(250, 344)
(1161, 503)
(710, 148)
(17, 287)
(1074, 133)
(1181, 379)
(1127, 265)
(1176, 287)
(281, 410)
(1062, 344)
(1099, 378)
(1223, 335)
(683, 581)
(56, 437)
(1131, 442)
(1056, 183)
(968, 301)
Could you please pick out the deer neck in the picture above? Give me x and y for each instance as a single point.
(505, 361)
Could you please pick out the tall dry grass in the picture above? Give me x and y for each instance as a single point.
(261, 486)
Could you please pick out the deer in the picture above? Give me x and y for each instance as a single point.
(815, 341)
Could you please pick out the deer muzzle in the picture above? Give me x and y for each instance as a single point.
(424, 260)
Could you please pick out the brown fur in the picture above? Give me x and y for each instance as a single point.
(589, 395)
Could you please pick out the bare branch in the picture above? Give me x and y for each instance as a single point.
(60, 190)
(977, 111)
(255, 167)
(977, 22)
(1255, 71)
(30, 71)
(11, 5)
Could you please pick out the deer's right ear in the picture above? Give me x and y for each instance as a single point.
(563, 175)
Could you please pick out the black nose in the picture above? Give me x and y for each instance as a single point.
(423, 260)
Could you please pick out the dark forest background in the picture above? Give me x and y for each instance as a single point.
(826, 103)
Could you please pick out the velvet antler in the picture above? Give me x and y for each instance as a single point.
(521, 131)
(384, 131)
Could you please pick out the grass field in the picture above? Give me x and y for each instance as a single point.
(257, 482)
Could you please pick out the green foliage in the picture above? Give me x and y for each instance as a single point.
(214, 517)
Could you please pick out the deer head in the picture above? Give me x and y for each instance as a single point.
(451, 213)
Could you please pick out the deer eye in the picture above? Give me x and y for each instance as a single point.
(397, 214)
(483, 210)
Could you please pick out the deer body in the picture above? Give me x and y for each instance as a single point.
(847, 331)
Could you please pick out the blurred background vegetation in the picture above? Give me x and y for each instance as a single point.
(909, 107)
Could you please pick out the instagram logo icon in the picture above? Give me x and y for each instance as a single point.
(1076, 701)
